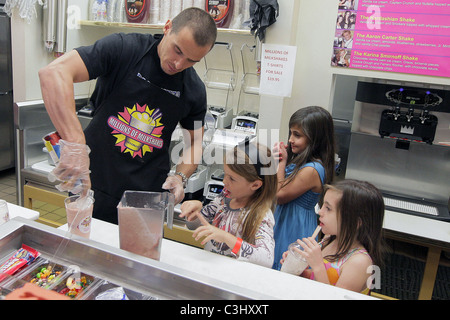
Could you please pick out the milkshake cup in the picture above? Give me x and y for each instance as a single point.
(294, 263)
(79, 215)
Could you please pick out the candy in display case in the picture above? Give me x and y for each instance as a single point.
(90, 270)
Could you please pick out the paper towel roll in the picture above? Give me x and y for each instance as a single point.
(49, 18)
(61, 27)
(154, 12)
(187, 4)
(199, 4)
(175, 8)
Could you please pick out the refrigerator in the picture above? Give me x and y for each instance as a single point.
(7, 154)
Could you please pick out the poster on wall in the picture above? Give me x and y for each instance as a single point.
(277, 69)
(393, 36)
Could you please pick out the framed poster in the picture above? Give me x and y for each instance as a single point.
(394, 36)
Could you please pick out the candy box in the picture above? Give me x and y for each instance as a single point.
(20, 259)
(51, 142)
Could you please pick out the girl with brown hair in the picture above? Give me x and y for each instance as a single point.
(239, 222)
(351, 217)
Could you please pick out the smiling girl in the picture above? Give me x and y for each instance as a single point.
(239, 222)
(305, 164)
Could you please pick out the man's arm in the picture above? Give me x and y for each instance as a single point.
(57, 81)
(192, 151)
(192, 155)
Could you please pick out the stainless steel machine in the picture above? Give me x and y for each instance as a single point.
(400, 141)
(31, 123)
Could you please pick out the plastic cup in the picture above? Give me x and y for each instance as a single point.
(79, 215)
(141, 221)
(294, 263)
(4, 213)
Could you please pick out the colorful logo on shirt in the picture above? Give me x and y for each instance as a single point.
(138, 130)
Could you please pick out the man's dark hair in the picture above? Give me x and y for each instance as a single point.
(200, 22)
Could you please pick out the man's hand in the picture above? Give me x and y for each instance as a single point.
(72, 168)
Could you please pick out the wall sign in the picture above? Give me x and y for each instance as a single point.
(395, 36)
(277, 69)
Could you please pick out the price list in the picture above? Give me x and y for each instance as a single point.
(393, 36)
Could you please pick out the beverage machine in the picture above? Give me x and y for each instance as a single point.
(400, 142)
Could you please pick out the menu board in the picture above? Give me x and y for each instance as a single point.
(394, 36)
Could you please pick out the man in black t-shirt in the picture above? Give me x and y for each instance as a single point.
(144, 88)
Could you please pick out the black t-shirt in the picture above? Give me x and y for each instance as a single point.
(111, 58)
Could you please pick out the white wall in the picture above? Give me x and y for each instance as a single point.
(28, 55)
(307, 24)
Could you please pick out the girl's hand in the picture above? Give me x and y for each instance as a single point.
(189, 209)
(209, 232)
(283, 257)
(279, 152)
(312, 252)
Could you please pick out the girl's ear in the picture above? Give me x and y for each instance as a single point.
(256, 185)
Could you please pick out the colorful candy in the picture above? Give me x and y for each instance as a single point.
(46, 276)
(75, 285)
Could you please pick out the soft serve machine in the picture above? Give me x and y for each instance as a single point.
(400, 142)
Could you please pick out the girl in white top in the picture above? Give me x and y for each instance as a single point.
(239, 222)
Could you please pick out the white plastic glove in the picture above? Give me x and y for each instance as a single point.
(72, 168)
(175, 186)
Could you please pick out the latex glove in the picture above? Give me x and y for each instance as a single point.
(72, 168)
(175, 186)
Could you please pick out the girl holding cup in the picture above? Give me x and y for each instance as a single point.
(351, 218)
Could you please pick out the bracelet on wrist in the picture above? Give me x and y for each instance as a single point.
(237, 246)
(184, 179)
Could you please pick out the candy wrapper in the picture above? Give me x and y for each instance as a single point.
(22, 257)
(53, 145)
(112, 294)
(51, 142)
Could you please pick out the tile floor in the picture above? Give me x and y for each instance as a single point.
(48, 214)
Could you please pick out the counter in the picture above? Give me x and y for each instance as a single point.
(275, 284)
(18, 211)
(433, 234)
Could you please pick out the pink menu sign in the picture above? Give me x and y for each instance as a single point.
(406, 36)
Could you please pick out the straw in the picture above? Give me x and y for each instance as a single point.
(316, 232)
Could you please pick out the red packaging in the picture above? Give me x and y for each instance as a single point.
(53, 137)
(137, 11)
(22, 257)
(221, 11)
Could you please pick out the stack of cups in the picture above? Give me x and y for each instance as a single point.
(4, 213)
(294, 263)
